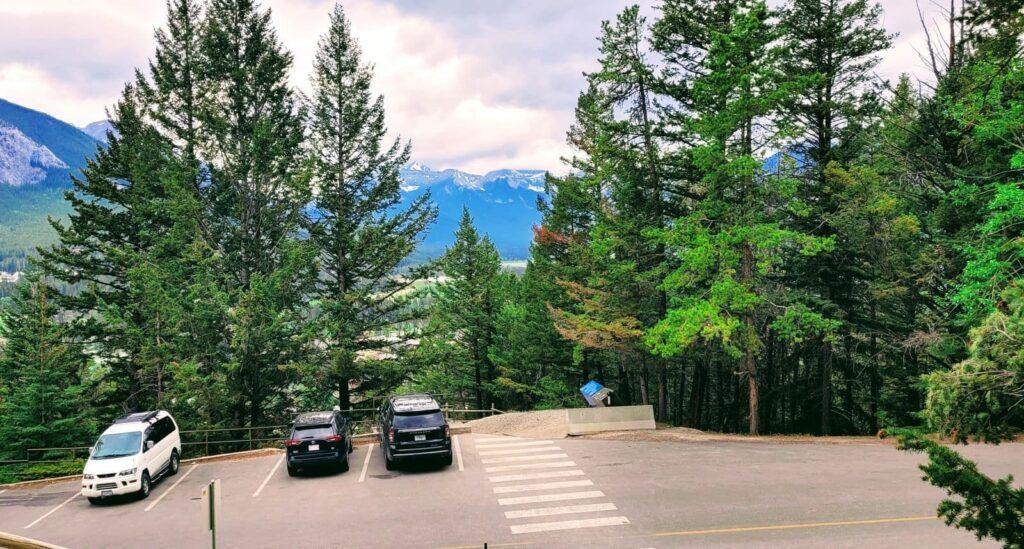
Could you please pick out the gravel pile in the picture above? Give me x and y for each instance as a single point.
(540, 424)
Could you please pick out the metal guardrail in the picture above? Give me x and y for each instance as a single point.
(191, 438)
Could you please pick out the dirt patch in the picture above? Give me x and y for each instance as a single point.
(684, 434)
(539, 424)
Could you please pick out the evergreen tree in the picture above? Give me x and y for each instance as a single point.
(463, 313)
(732, 244)
(172, 87)
(43, 400)
(832, 46)
(360, 233)
(251, 142)
(115, 218)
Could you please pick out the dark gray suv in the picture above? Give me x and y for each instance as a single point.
(413, 427)
(319, 439)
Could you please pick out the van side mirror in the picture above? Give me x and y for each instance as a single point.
(149, 445)
(91, 450)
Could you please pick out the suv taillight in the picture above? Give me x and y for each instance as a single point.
(335, 438)
(293, 442)
(391, 436)
(447, 431)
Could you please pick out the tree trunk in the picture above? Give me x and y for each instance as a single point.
(826, 388)
(344, 398)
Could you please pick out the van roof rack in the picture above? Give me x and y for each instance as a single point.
(421, 402)
(138, 417)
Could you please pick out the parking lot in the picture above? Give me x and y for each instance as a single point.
(545, 493)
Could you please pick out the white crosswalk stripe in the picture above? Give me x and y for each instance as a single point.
(568, 525)
(512, 451)
(529, 460)
(520, 466)
(516, 444)
(512, 459)
(542, 486)
(536, 476)
(551, 497)
(562, 510)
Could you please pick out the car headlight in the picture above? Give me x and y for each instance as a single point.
(127, 472)
(88, 477)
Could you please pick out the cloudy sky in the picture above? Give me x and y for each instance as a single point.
(475, 84)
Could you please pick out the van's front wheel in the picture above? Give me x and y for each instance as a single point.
(144, 489)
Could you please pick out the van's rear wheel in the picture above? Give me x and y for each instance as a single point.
(144, 489)
(172, 469)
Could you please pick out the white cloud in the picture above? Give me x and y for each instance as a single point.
(475, 85)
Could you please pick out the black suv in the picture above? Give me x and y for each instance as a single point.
(319, 438)
(411, 427)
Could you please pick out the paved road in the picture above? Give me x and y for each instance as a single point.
(559, 493)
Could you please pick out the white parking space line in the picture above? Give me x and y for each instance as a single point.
(535, 476)
(551, 497)
(52, 511)
(173, 486)
(458, 451)
(524, 458)
(480, 446)
(267, 479)
(564, 510)
(541, 486)
(521, 466)
(512, 451)
(568, 525)
(2, 491)
(366, 462)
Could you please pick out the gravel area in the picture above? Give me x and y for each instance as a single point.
(540, 424)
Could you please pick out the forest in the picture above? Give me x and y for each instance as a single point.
(755, 234)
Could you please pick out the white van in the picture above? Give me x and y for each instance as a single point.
(131, 454)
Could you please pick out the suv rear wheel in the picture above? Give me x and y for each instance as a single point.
(388, 463)
(144, 488)
(172, 468)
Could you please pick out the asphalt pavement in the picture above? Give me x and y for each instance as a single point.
(505, 491)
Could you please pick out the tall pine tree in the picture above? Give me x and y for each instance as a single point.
(361, 234)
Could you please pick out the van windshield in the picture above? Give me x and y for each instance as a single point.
(117, 445)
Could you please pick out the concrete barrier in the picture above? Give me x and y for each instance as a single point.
(615, 418)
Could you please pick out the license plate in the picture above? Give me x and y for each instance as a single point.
(107, 493)
(314, 447)
(419, 438)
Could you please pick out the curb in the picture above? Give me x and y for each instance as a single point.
(358, 440)
(12, 541)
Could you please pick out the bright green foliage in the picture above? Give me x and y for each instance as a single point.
(361, 238)
(731, 244)
(980, 397)
(43, 400)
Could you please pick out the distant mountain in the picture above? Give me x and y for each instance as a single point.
(38, 154)
(98, 130)
(503, 204)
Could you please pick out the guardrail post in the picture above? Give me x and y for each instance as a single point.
(207, 443)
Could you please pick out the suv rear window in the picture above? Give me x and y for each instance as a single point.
(312, 431)
(419, 420)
